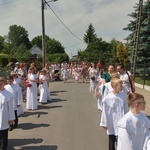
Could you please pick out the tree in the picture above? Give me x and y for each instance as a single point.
(122, 53)
(52, 46)
(1, 43)
(18, 35)
(143, 54)
(90, 35)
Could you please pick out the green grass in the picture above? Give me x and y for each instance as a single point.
(141, 81)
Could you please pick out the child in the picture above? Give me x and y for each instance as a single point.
(77, 75)
(6, 114)
(114, 107)
(44, 90)
(133, 128)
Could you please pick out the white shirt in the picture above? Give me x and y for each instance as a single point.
(132, 131)
(6, 109)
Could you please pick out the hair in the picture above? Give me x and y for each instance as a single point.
(115, 75)
(133, 97)
(121, 66)
(2, 79)
(115, 81)
(10, 77)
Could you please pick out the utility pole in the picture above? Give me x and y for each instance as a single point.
(43, 36)
(136, 38)
(43, 3)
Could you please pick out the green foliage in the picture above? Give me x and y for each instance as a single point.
(143, 54)
(90, 35)
(4, 59)
(1, 43)
(58, 58)
(52, 46)
(18, 35)
(122, 53)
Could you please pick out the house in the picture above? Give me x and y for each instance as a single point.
(36, 50)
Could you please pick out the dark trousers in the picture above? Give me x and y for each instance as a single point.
(3, 139)
(16, 119)
(112, 142)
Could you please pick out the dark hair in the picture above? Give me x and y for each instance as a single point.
(10, 77)
(121, 66)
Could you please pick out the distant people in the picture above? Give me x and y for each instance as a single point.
(134, 126)
(93, 73)
(6, 114)
(113, 109)
(43, 87)
(65, 73)
(17, 97)
(32, 81)
(126, 78)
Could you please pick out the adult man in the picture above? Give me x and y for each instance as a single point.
(126, 78)
(6, 114)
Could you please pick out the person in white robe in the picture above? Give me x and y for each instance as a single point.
(133, 127)
(114, 108)
(15, 90)
(43, 88)
(18, 81)
(32, 80)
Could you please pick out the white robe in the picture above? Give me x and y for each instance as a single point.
(6, 109)
(44, 90)
(132, 131)
(32, 93)
(114, 107)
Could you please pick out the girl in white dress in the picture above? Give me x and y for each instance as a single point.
(133, 127)
(32, 90)
(43, 87)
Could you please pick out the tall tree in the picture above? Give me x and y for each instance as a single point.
(52, 46)
(144, 40)
(17, 35)
(1, 43)
(90, 35)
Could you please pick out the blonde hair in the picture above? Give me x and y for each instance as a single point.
(2, 79)
(115, 81)
(115, 75)
(133, 97)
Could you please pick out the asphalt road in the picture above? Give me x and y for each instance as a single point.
(69, 122)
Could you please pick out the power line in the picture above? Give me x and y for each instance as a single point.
(62, 22)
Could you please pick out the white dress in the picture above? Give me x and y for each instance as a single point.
(44, 90)
(32, 93)
(132, 131)
(114, 108)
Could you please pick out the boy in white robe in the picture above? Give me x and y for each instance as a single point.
(6, 114)
(114, 107)
(15, 90)
(134, 127)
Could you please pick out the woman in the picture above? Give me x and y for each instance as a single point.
(32, 89)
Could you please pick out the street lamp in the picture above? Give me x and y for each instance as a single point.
(43, 2)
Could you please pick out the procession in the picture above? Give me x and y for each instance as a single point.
(117, 100)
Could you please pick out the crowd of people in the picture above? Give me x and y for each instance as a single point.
(114, 89)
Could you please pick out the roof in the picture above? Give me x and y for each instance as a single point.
(36, 50)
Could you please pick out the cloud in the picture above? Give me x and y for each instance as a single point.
(107, 16)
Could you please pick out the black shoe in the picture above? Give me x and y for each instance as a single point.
(15, 125)
(11, 127)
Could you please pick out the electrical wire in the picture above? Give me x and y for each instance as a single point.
(63, 22)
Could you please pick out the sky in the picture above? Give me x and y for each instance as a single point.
(108, 18)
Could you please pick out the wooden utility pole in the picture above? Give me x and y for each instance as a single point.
(43, 36)
(136, 38)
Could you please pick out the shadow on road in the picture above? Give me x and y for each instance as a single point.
(57, 92)
(42, 147)
(29, 126)
(58, 100)
(20, 142)
(29, 113)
